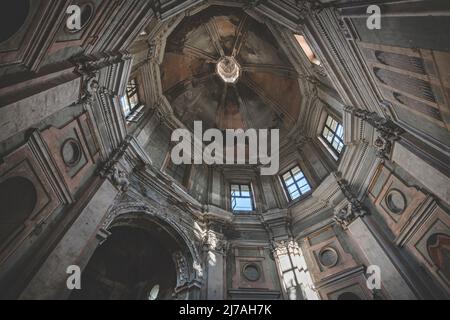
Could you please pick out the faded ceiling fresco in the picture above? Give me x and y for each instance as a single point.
(267, 93)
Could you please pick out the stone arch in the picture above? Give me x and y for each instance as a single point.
(187, 260)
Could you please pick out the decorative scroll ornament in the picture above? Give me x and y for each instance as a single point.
(89, 88)
(346, 216)
(110, 169)
(213, 242)
(354, 208)
(88, 68)
(384, 147)
(120, 179)
(388, 131)
(182, 269)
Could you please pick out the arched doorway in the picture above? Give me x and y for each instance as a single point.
(139, 261)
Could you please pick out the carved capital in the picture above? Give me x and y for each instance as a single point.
(285, 247)
(345, 216)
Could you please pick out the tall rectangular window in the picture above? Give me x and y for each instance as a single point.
(295, 184)
(242, 198)
(333, 133)
(307, 49)
(131, 105)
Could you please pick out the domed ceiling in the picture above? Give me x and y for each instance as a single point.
(224, 68)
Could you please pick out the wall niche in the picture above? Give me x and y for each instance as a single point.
(19, 9)
(18, 198)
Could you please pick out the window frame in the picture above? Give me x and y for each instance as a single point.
(252, 197)
(325, 140)
(302, 195)
(135, 112)
(307, 49)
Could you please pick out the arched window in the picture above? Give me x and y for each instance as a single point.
(154, 293)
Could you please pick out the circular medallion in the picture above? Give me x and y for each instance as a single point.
(396, 201)
(328, 257)
(71, 152)
(251, 272)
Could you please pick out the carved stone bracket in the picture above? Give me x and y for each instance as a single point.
(213, 241)
(388, 131)
(88, 68)
(110, 169)
(88, 65)
(89, 88)
(353, 209)
(119, 178)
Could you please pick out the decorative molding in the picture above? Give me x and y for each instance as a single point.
(352, 209)
(388, 131)
(184, 232)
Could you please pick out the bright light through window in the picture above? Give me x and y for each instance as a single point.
(242, 198)
(131, 105)
(307, 49)
(295, 184)
(153, 294)
(333, 133)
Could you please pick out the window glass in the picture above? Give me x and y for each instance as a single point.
(295, 183)
(333, 133)
(307, 49)
(131, 106)
(242, 198)
(154, 293)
